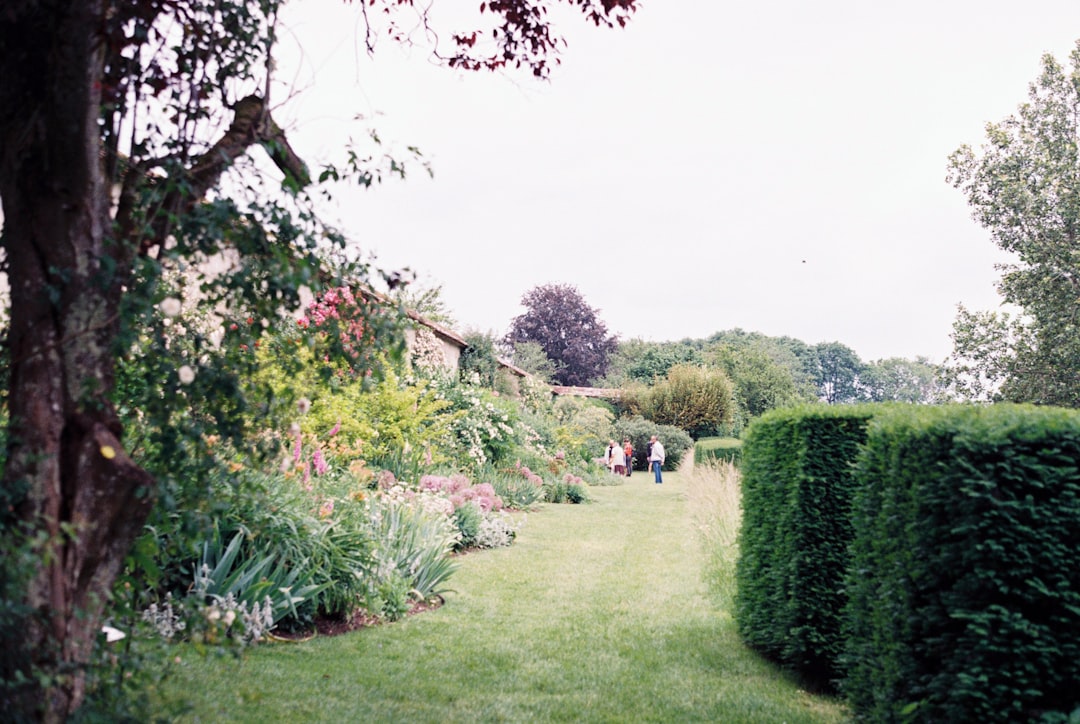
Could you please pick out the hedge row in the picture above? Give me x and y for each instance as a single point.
(725, 449)
(796, 488)
(965, 585)
(936, 576)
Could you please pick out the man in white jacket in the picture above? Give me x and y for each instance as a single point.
(656, 458)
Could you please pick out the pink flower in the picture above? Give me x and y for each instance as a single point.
(456, 483)
(335, 429)
(320, 462)
(434, 483)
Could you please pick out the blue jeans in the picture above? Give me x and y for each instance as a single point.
(656, 471)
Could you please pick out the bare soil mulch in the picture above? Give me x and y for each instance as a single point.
(335, 626)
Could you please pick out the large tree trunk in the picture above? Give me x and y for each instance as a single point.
(78, 493)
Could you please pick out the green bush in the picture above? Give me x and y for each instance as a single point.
(964, 589)
(793, 558)
(554, 491)
(582, 429)
(467, 518)
(577, 493)
(676, 441)
(725, 449)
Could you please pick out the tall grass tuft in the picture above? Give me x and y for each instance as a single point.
(714, 493)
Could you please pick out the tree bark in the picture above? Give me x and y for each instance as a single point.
(80, 500)
(83, 500)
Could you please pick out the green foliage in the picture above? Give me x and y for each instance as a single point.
(1022, 187)
(639, 361)
(964, 593)
(797, 486)
(428, 302)
(836, 372)
(718, 449)
(467, 518)
(576, 492)
(901, 380)
(252, 578)
(381, 418)
(479, 362)
(696, 399)
(519, 488)
(583, 427)
(794, 355)
(761, 383)
(675, 440)
(412, 542)
(983, 360)
(482, 424)
(530, 356)
(555, 491)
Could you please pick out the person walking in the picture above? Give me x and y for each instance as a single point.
(656, 458)
(628, 452)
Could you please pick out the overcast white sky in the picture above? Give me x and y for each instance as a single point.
(777, 166)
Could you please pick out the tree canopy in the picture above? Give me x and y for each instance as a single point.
(1023, 187)
(568, 330)
(694, 398)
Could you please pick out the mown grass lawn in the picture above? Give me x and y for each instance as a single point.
(597, 613)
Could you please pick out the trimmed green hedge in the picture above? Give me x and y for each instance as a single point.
(727, 449)
(793, 555)
(965, 585)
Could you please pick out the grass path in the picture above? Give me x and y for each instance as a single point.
(597, 613)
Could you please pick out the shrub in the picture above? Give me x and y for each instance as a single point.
(577, 493)
(468, 519)
(793, 559)
(676, 441)
(496, 531)
(720, 449)
(554, 491)
(694, 398)
(483, 426)
(965, 595)
(583, 427)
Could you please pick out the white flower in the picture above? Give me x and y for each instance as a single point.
(303, 405)
(170, 306)
(187, 375)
